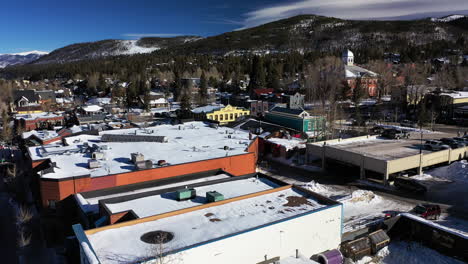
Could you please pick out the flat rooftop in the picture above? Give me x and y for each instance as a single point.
(380, 148)
(123, 242)
(166, 202)
(89, 201)
(190, 142)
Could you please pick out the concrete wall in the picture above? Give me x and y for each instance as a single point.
(311, 234)
(433, 158)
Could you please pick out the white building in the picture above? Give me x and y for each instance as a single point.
(270, 224)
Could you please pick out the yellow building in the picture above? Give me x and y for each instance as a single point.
(227, 114)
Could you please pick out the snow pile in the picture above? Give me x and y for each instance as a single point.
(318, 188)
(457, 171)
(408, 253)
(364, 196)
(428, 178)
(289, 144)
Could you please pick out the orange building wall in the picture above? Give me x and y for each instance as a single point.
(236, 165)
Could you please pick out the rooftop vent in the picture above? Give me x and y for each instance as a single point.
(157, 237)
(214, 196)
(144, 165)
(185, 194)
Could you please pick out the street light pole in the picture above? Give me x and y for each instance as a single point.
(420, 150)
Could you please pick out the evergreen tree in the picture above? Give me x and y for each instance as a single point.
(257, 74)
(203, 91)
(185, 105)
(273, 77)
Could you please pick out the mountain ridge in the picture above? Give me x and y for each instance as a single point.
(303, 33)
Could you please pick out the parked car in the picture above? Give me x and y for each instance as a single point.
(461, 140)
(377, 130)
(452, 143)
(435, 145)
(395, 133)
(407, 123)
(409, 185)
(361, 122)
(427, 211)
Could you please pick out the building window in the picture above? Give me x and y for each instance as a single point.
(309, 126)
(52, 204)
(226, 116)
(231, 116)
(236, 115)
(220, 117)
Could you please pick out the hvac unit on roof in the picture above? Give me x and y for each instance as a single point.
(97, 155)
(185, 194)
(137, 157)
(214, 196)
(93, 164)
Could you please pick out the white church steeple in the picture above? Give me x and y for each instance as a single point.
(348, 58)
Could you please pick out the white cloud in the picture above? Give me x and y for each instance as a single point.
(353, 9)
(143, 35)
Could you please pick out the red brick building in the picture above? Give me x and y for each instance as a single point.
(56, 187)
(354, 72)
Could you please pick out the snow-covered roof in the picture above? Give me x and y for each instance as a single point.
(92, 108)
(159, 204)
(43, 134)
(431, 223)
(99, 101)
(193, 141)
(91, 204)
(207, 109)
(353, 71)
(159, 101)
(34, 116)
(202, 225)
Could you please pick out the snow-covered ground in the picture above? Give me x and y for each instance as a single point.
(361, 208)
(409, 253)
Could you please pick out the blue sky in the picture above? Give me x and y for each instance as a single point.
(49, 24)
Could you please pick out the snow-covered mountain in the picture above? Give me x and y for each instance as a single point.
(20, 58)
(448, 18)
(113, 47)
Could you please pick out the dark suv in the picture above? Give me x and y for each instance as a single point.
(452, 143)
(427, 211)
(409, 185)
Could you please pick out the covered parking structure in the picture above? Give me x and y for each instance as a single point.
(382, 156)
